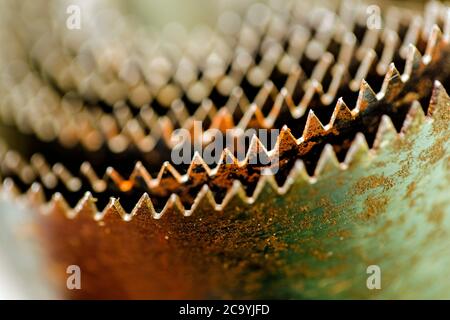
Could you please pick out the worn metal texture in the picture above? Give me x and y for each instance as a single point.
(362, 176)
(394, 99)
(390, 207)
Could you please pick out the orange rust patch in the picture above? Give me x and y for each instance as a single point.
(371, 182)
(374, 206)
(404, 170)
(434, 153)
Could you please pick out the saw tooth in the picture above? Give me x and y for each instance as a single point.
(114, 208)
(236, 194)
(144, 206)
(158, 185)
(414, 118)
(146, 114)
(341, 115)
(338, 74)
(366, 97)
(363, 70)
(256, 153)
(227, 157)
(440, 102)
(285, 140)
(328, 162)
(36, 195)
(86, 205)
(123, 184)
(293, 79)
(174, 203)
(137, 135)
(139, 172)
(298, 174)
(386, 133)
(390, 44)
(392, 84)
(264, 93)
(358, 153)
(265, 182)
(414, 63)
(321, 68)
(237, 99)
(412, 36)
(433, 45)
(204, 199)
(229, 195)
(41, 166)
(207, 202)
(283, 104)
(198, 167)
(206, 110)
(313, 127)
(227, 164)
(59, 205)
(13, 162)
(9, 189)
(168, 171)
(312, 88)
(97, 184)
(166, 129)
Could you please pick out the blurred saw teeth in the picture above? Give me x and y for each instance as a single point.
(276, 71)
(295, 68)
(87, 116)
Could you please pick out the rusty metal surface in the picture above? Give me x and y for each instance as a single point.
(362, 180)
(389, 207)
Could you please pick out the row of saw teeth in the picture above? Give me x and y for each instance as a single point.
(265, 41)
(71, 123)
(220, 184)
(358, 153)
(397, 90)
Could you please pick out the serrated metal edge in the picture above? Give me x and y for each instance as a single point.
(386, 134)
(133, 131)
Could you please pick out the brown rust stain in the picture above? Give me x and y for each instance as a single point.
(404, 169)
(372, 182)
(374, 206)
(432, 154)
(436, 215)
